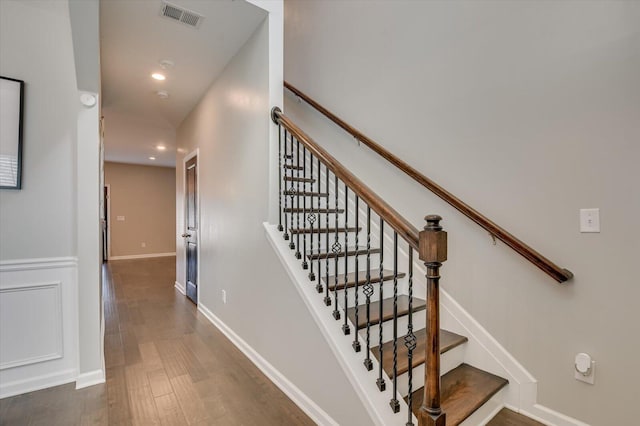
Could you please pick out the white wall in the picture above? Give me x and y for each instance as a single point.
(38, 267)
(231, 128)
(528, 111)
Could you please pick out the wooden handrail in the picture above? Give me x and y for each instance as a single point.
(556, 272)
(404, 229)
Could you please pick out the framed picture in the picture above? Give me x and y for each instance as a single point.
(11, 107)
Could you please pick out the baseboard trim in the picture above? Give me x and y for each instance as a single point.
(91, 378)
(180, 288)
(142, 256)
(37, 383)
(306, 404)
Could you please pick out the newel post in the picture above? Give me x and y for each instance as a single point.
(433, 251)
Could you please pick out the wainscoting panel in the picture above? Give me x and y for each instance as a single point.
(30, 324)
(38, 324)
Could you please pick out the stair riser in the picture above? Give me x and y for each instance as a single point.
(419, 321)
(448, 361)
(487, 411)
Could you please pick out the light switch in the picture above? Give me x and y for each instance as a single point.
(589, 220)
(120, 218)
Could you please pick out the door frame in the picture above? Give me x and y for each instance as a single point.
(107, 201)
(189, 156)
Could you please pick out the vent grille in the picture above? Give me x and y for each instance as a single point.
(180, 14)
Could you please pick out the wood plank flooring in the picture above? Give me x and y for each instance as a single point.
(507, 417)
(166, 365)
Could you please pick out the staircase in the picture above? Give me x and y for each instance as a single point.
(359, 254)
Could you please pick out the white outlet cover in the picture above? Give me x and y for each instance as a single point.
(589, 220)
(590, 379)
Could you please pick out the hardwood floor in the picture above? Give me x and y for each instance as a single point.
(166, 365)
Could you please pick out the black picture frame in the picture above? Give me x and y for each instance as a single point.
(11, 110)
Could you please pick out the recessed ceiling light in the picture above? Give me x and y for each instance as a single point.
(158, 76)
(161, 147)
(152, 158)
(162, 94)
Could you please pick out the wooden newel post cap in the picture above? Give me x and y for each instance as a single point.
(433, 241)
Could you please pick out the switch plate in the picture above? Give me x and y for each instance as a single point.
(143, 244)
(120, 218)
(589, 220)
(224, 297)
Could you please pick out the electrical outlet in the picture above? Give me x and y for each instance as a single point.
(589, 220)
(143, 244)
(120, 218)
(224, 297)
(585, 368)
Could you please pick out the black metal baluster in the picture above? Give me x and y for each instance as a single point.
(298, 199)
(336, 251)
(327, 298)
(368, 292)
(356, 342)
(286, 200)
(395, 405)
(410, 339)
(345, 327)
(312, 218)
(319, 277)
(380, 382)
(305, 265)
(279, 178)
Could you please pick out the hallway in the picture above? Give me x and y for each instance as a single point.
(165, 364)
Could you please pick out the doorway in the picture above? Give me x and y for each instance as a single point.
(190, 234)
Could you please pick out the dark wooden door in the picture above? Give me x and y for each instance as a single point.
(191, 232)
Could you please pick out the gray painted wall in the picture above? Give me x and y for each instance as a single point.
(39, 220)
(528, 111)
(230, 126)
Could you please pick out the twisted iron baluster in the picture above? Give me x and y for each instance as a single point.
(312, 219)
(368, 292)
(410, 338)
(356, 342)
(279, 178)
(345, 327)
(336, 248)
(380, 382)
(395, 404)
(327, 298)
(286, 200)
(298, 255)
(305, 265)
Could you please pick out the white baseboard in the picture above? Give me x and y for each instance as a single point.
(306, 404)
(180, 288)
(142, 256)
(89, 379)
(36, 383)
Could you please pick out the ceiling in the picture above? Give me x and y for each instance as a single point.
(134, 38)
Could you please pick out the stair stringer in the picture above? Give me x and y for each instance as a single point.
(363, 381)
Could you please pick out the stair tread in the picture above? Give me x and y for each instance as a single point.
(448, 341)
(307, 194)
(463, 390)
(387, 310)
(323, 230)
(351, 251)
(310, 210)
(362, 278)
(508, 417)
(298, 179)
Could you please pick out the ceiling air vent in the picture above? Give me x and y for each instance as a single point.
(180, 14)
